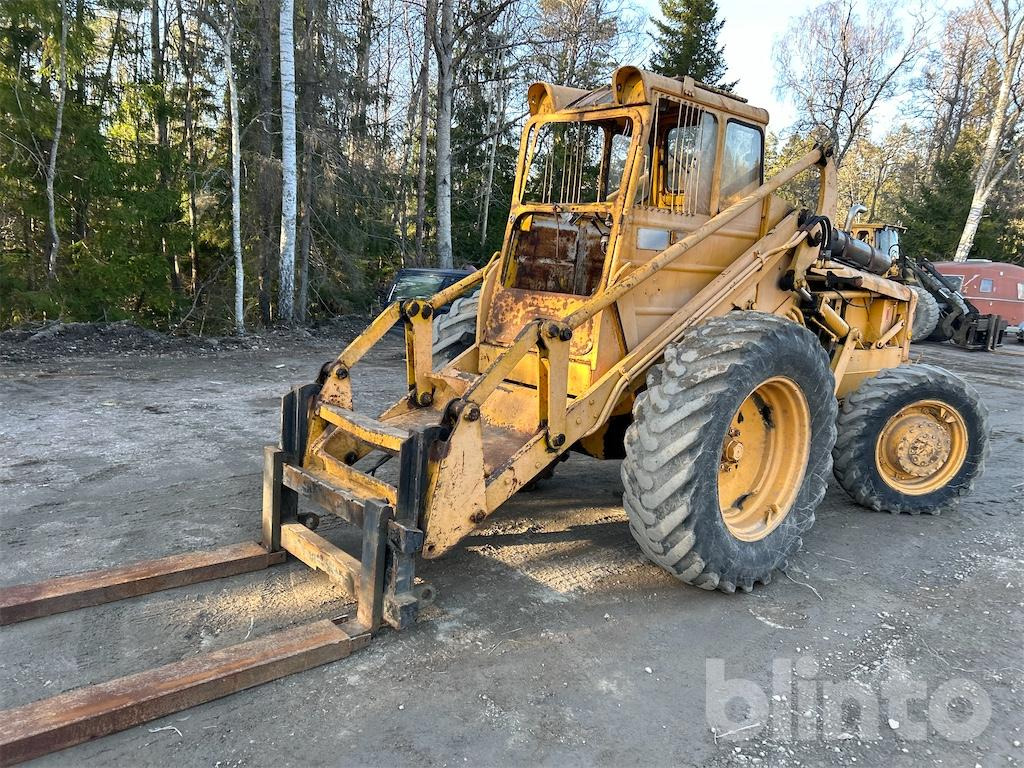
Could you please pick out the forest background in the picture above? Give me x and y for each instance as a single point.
(217, 165)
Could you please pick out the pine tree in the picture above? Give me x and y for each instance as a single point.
(687, 42)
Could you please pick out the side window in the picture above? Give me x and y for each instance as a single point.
(957, 281)
(1020, 291)
(618, 154)
(986, 285)
(741, 162)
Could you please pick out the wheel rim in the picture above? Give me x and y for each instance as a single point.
(921, 447)
(764, 455)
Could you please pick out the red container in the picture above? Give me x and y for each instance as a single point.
(994, 287)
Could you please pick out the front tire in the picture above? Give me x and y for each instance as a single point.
(912, 439)
(730, 449)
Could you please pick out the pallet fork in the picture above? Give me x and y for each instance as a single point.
(381, 581)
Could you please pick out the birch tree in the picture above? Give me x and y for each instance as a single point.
(286, 284)
(837, 68)
(453, 39)
(236, 174)
(51, 168)
(1003, 145)
(444, 46)
(429, 14)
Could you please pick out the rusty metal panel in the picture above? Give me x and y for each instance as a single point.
(97, 710)
(512, 309)
(30, 601)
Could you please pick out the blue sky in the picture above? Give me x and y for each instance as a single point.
(751, 26)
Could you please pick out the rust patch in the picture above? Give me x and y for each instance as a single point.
(512, 308)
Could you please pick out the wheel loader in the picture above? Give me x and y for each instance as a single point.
(654, 302)
(657, 303)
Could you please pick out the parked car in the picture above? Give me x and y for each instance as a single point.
(421, 283)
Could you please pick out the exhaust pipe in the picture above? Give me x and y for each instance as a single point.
(855, 211)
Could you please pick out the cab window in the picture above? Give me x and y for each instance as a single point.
(576, 163)
(741, 162)
(690, 161)
(682, 144)
(986, 285)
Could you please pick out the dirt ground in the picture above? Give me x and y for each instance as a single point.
(552, 640)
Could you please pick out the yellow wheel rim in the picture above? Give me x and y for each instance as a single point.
(922, 447)
(764, 455)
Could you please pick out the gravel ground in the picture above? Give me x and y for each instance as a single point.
(552, 640)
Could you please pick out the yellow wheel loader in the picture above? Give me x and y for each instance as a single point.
(654, 301)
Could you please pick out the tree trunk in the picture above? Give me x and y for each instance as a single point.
(499, 117)
(421, 181)
(266, 180)
(157, 64)
(190, 147)
(444, 45)
(286, 285)
(236, 180)
(83, 193)
(305, 225)
(51, 168)
(364, 34)
(162, 140)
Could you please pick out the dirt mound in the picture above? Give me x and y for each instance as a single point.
(124, 338)
(99, 339)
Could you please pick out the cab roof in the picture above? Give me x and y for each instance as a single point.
(635, 86)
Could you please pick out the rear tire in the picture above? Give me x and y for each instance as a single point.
(912, 439)
(926, 317)
(455, 331)
(685, 428)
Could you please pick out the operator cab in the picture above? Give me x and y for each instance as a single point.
(607, 179)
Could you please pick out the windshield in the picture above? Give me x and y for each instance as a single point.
(576, 163)
(416, 286)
